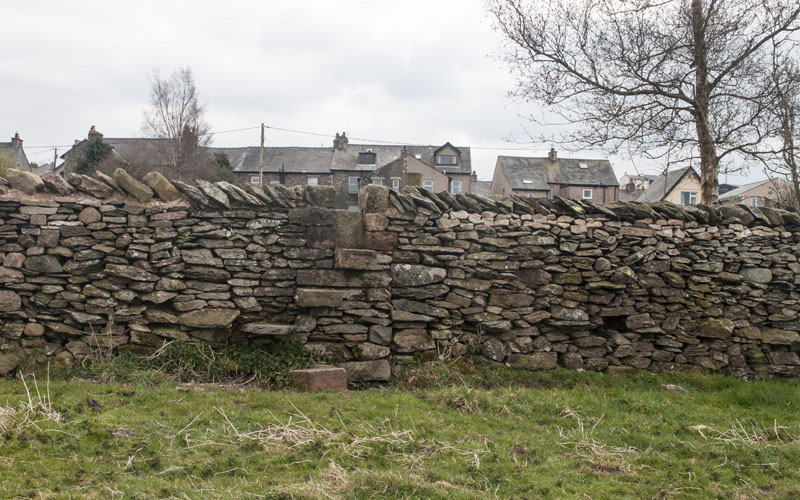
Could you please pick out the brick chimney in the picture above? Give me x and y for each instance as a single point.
(553, 154)
(16, 141)
(95, 135)
(340, 142)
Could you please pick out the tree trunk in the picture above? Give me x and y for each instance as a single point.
(709, 163)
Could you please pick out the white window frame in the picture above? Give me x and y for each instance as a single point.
(756, 201)
(427, 184)
(352, 208)
(313, 181)
(353, 185)
(692, 197)
(255, 179)
(451, 159)
(396, 184)
(377, 182)
(584, 196)
(455, 186)
(531, 195)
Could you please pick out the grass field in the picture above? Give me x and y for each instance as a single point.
(443, 431)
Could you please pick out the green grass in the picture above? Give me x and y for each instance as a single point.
(441, 431)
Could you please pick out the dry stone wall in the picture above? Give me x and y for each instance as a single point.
(530, 283)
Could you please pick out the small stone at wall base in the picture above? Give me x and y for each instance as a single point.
(535, 361)
(319, 379)
(367, 371)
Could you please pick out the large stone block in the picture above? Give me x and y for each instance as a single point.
(209, 318)
(368, 371)
(329, 379)
(715, 328)
(26, 182)
(45, 264)
(349, 229)
(90, 186)
(353, 258)
(9, 301)
(415, 275)
(312, 216)
(318, 297)
(373, 198)
(161, 186)
(535, 361)
(133, 187)
(412, 340)
(780, 337)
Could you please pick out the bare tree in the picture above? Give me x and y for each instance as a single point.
(662, 78)
(783, 117)
(176, 115)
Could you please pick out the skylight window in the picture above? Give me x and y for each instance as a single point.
(526, 181)
(583, 164)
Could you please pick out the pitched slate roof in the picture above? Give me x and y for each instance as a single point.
(522, 173)
(538, 173)
(742, 190)
(347, 159)
(664, 184)
(292, 159)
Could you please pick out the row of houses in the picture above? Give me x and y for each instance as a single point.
(682, 187)
(438, 168)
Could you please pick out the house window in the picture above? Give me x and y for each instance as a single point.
(688, 197)
(455, 187)
(352, 208)
(583, 164)
(313, 181)
(353, 184)
(587, 194)
(756, 202)
(377, 182)
(395, 184)
(531, 195)
(254, 179)
(367, 158)
(446, 160)
(427, 184)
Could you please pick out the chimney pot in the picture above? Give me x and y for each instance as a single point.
(553, 154)
(16, 141)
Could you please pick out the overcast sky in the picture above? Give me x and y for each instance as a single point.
(416, 71)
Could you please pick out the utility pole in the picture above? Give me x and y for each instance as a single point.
(261, 160)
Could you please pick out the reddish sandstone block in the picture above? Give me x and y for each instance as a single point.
(327, 378)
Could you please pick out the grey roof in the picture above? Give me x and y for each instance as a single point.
(725, 188)
(522, 173)
(14, 153)
(347, 159)
(664, 184)
(741, 190)
(292, 159)
(538, 173)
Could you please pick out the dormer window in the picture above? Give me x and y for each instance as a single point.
(447, 159)
(367, 158)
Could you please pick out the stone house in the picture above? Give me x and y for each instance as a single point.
(681, 187)
(14, 153)
(573, 178)
(757, 194)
